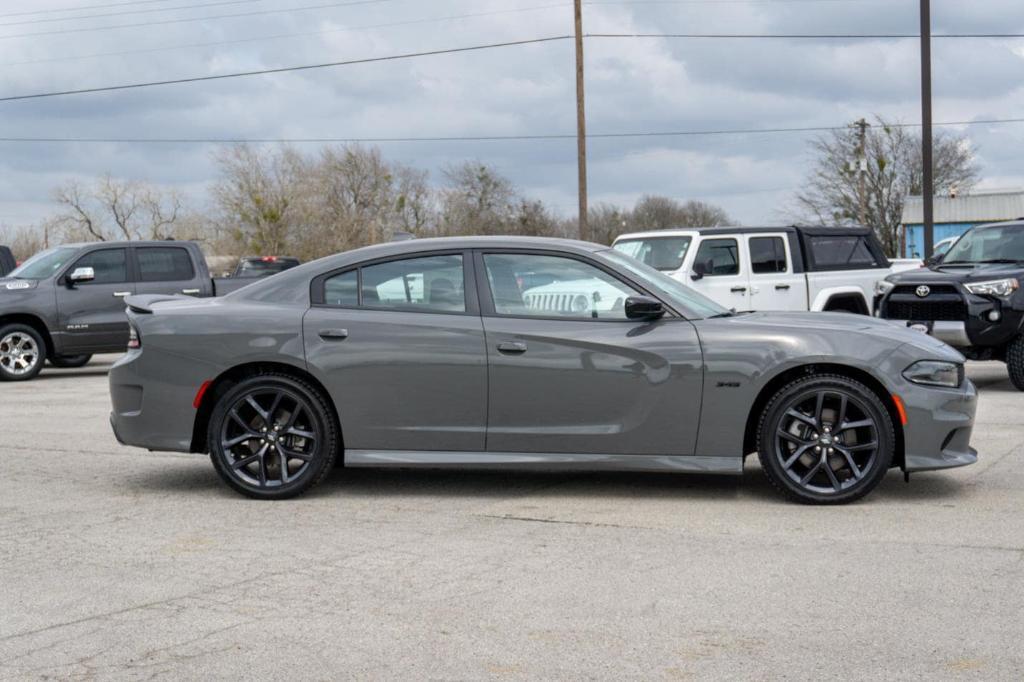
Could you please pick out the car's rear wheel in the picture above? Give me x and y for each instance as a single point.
(1015, 362)
(70, 361)
(825, 439)
(22, 352)
(272, 436)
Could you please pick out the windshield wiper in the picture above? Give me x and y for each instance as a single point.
(1000, 260)
(727, 313)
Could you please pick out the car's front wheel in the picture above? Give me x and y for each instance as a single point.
(272, 436)
(1015, 362)
(70, 361)
(22, 352)
(825, 439)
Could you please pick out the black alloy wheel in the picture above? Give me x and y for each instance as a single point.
(272, 437)
(825, 440)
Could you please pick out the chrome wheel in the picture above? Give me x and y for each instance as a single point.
(827, 441)
(269, 437)
(19, 354)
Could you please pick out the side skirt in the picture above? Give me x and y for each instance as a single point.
(539, 460)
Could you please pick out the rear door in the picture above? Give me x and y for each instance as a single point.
(92, 314)
(165, 270)
(569, 373)
(726, 278)
(399, 345)
(773, 283)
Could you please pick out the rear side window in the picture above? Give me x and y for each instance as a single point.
(841, 251)
(110, 266)
(767, 255)
(428, 284)
(342, 290)
(722, 255)
(164, 264)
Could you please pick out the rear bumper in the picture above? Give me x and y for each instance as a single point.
(939, 425)
(155, 413)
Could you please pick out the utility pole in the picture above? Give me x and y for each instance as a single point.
(861, 170)
(927, 184)
(581, 124)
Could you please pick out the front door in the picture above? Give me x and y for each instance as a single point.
(569, 373)
(92, 314)
(725, 279)
(400, 347)
(773, 283)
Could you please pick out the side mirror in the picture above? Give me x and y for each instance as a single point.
(701, 268)
(935, 260)
(80, 275)
(643, 308)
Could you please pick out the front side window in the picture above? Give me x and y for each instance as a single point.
(428, 284)
(661, 253)
(720, 257)
(110, 266)
(767, 255)
(164, 264)
(554, 286)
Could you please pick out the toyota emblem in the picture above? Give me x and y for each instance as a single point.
(923, 291)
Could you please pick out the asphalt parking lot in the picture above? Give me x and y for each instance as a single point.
(120, 563)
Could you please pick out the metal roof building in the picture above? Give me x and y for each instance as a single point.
(955, 215)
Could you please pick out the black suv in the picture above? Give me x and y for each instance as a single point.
(971, 298)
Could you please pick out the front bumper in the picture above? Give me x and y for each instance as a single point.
(939, 425)
(972, 329)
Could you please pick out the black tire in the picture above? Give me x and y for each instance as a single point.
(1015, 362)
(70, 361)
(825, 439)
(22, 352)
(273, 436)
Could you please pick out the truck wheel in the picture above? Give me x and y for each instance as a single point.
(22, 352)
(272, 436)
(825, 439)
(1015, 362)
(70, 361)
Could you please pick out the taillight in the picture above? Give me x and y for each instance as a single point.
(134, 340)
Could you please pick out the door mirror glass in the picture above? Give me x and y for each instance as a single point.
(82, 275)
(644, 308)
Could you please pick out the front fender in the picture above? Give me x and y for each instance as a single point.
(825, 295)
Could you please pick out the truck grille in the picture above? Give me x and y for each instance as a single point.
(935, 289)
(926, 310)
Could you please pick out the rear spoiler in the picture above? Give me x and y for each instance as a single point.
(143, 303)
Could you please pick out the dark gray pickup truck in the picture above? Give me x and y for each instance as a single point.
(67, 303)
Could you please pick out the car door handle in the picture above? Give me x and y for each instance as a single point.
(122, 294)
(190, 292)
(333, 334)
(738, 290)
(512, 347)
(781, 287)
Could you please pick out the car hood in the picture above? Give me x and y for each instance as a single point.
(895, 334)
(951, 274)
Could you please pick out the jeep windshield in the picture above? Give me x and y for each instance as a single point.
(996, 244)
(695, 304)
(661, 253)
(44, 264)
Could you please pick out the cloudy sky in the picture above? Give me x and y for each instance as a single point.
(633, 85)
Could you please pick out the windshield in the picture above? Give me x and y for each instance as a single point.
(697, 305)
(1000, 244)
(44, 264)
(262, 268)
(661, 253)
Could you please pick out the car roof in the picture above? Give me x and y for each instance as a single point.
(722, 230)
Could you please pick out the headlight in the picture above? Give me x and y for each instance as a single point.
(935, 373)
(997, 287)
(882, 287)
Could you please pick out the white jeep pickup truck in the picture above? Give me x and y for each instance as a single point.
(771, 268)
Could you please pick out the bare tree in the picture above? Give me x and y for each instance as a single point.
(116, 209)
(832, 195)
(660, 213)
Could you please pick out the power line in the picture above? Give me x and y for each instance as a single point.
(84, 7)
(810, 36)
(284, 69)
(280, 36)
(482, 138)
(127, 12)
(164, 22)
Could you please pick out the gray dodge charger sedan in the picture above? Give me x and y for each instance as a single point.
(522, 352)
